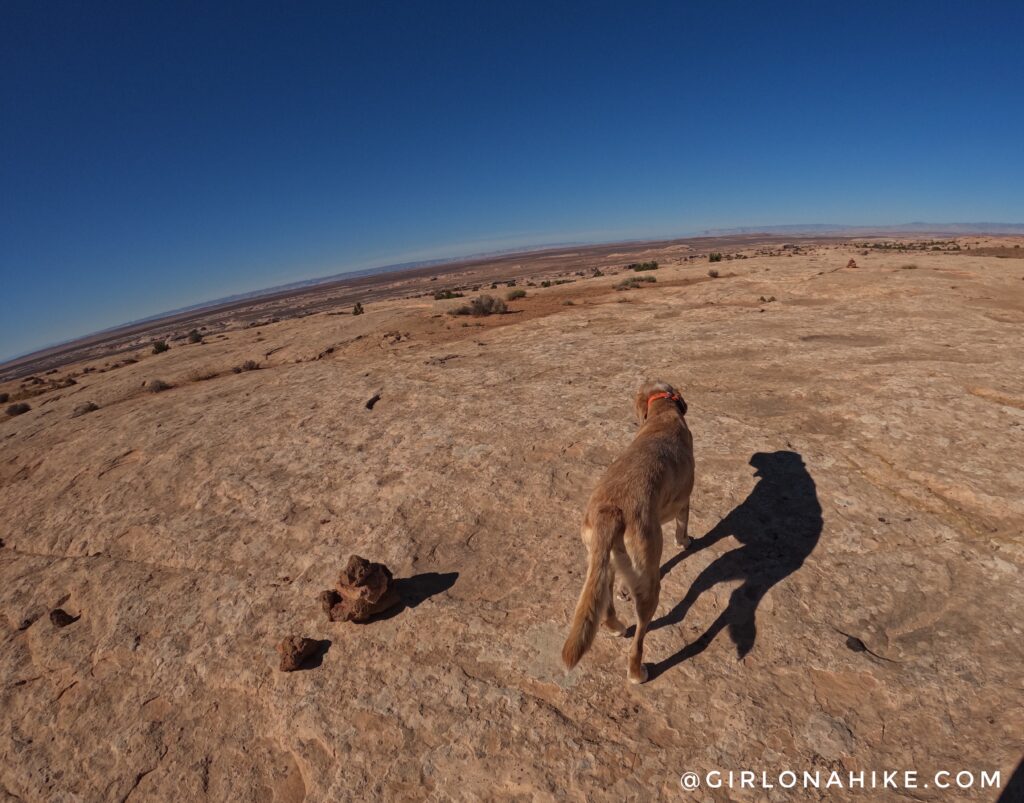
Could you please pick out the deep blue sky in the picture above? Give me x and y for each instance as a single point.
(154, 155)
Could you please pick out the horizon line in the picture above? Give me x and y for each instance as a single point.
(795, 229)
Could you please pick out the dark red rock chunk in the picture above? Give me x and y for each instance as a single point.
(295, 651)
(364, 590)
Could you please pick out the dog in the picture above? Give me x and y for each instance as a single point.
(650, 484)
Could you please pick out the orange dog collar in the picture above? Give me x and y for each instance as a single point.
(663, 395)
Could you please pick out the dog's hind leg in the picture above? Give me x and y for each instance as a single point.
(646, 586)
(683, 538)
(611, 621)
(624, 568)
(646, 598)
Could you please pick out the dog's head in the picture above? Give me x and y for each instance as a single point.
(648, 389)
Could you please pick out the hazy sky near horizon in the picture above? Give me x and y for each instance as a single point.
(155, 155)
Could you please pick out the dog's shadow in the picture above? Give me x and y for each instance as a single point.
(778, 525)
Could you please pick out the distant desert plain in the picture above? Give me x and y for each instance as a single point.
(176, 494)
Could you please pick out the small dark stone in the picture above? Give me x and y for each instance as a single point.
(855, 644)
(27, 622)
(62, 618)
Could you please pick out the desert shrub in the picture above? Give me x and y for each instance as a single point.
(160, 346)
(157, 386)
(568, 303)
(358, 309)
(248, 365)
(714, 274)
(18, 409)
(195, 337)
(482, 305)
(597, 272)
(441, 295)
(82, 409)
(715, 256)
(4, 397)
(641, 266)
(512, 295)
(201, 375)
(545, 283)
(633, 282)
(908, 267)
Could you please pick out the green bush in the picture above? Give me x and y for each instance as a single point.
(640, 266)
(160, 346)
(441, 295)
(512, 295)
(195, 337)
(358, 309)
(714, 256)
(713, 273)
(18, 409)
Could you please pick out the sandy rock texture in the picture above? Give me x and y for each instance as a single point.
(853, 599)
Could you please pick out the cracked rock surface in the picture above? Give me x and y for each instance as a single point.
(853, 599)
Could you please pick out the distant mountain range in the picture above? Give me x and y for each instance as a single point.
(352, 274)
(903, 228)
(796, 229)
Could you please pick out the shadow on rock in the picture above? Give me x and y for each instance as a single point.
(316, 658)
(1013, 792)
(414, 590)
(778, 525)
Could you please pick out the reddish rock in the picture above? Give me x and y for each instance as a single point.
(295, 651)
(364, 590)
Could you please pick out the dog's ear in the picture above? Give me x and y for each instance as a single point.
(682, 406)
(640, 404)
(643, 393)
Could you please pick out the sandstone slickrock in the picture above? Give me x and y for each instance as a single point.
(195, 527)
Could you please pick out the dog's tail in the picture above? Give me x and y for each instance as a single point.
(594, 599)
